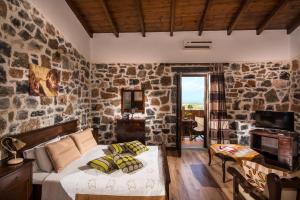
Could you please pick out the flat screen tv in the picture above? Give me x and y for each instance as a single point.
(275, 120)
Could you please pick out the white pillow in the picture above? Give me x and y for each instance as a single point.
(42, 158)
(29, 154)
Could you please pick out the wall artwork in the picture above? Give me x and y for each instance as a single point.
(43, 81)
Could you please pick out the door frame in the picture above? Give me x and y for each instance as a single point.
(179, 105)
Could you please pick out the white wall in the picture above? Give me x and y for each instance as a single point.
(160, 47)
(61, 16)
(295, 43)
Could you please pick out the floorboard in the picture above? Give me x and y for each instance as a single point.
(193, 179)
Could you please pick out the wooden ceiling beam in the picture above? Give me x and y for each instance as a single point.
(141, 16)
(110, 18)
(204, 16)
(294, 25)
(243, 7)
(268, 18)
(80, 17)
(172, 16)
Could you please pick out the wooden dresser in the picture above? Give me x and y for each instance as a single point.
(16, 181)
(132, 129)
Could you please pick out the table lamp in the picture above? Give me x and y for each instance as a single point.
(12, 145)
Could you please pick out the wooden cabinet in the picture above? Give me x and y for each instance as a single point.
(287, 151)
(132, 129)
(284, 149)
(16, 181)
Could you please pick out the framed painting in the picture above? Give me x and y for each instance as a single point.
(43, 81)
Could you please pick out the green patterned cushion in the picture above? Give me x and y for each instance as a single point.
(117, 148)
(127, 163)
(136, 147)
(105, 164)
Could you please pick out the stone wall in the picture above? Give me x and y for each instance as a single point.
(256, 86)
(295, 92)
(26, 37)
(156, 80)
(249, 87)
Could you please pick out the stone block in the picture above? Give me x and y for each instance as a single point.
(24, 35)
(3, 78)
(166, 81)
(164, 108)
(16, 73)
(20, 60)
(4, 103)
(271, 96)
(3, 125)
(105, 95)
(6, 91)
(131, 71)
(8, 29)
(3, 9)
(155, 102)
(245, 68)
(5, 49)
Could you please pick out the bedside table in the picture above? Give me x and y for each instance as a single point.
(16, 181)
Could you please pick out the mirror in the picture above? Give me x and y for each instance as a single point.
(132, 101)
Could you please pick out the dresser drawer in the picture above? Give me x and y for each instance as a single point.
(10, 180)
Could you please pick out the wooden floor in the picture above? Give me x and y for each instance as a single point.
(194, 144)
(192, 178)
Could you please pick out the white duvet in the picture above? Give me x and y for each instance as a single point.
(79, 178)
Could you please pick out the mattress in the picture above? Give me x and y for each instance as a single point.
(78, 178)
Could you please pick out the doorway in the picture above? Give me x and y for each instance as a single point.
(192, 111)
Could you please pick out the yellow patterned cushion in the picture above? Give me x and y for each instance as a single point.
(105, 164)
(256, 174)
(127, 163)
(136, 147)
(117, 148)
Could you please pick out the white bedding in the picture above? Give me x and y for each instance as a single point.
(77, 177)
(39, 177)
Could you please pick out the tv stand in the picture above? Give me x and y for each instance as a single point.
(279, 148)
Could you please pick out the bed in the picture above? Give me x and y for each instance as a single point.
(78, 181)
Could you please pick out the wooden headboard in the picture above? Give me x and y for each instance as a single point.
(38, 136)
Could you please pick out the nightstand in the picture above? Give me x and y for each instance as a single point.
(16, 181)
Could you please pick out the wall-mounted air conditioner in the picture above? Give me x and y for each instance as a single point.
(192, 44)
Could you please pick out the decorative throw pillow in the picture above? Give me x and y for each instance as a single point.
(136, 147)
(117, 148)
(127, 163)
(256, 174)
(104, 164)
(84, 140)
(62, 153)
